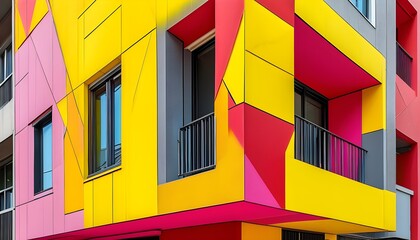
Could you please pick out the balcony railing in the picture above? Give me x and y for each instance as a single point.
(196, 146)
(6, 91)
(404, 61)
(319, 147)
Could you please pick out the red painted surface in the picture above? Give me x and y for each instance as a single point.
(223, 231)
(239, 212)
(323, 68)
(196, 24)
(345, 117)
(26, 11)
(236, 122)
(284, 9)
(267, 138)
(228, 19)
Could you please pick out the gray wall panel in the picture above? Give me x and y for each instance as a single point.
(373, 143)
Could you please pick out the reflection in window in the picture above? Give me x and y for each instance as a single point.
(362, 6)
(43, 154)
(6, 186)
(105, 137)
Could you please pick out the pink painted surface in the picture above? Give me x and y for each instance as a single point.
(26, 10)
(255, 189)
(322, 67)
(238, 211)
(41, 72)
(345, 117)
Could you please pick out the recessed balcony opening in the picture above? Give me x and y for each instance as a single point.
(316, 145)
(6, 52)
(406, 42)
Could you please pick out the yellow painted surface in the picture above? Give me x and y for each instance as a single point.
(258, 232)
(178, 9)
(119, 196)
(20, 35)
(102, 46)
(88, 204)
(73, 179)
(235, 71)
(40, 10)
(62, 109)
(330, 237)
(390, 219)
(268, 36)
(364, 205)
(97, 13)
(268, 88)
(322, 18)
(102, 200)
(75, 129)
(327, 226)
(210, 188)
(373, 109)
(135, 12)
(139, 115)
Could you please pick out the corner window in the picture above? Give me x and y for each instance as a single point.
(43, 154)
(105, 123)
(5, 75)
(6, 186)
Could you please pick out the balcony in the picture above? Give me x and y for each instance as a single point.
(404, 62)
(196, 146)
(6, 225)
(321, 148)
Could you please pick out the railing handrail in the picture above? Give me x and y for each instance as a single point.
(333, 134)
(6, 79)
(405, 51)
(197, 120)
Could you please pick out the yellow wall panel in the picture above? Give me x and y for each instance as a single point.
(269, 88)
(88, 204)
(73, 179)
(81, 99)
(330, 237)
(20, 34)
(97, 13)
(268, 36)
(139, 115)
(364, 204)
(119, 196)
(373, 109)
(103, 45)
(135, 12)
(62, 109)
(210, 188)
(390, 199)
(320, 16)
(178, 9)
(257, 232)
(235, 72)
(75, 130)
(102, 200)
(40, 10)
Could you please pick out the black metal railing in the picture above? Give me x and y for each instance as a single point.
(319, 147)
(6, 225)
(404, 62)
(5, 91)
(196, 146)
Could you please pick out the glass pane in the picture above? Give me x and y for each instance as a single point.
(8, 61)
(47, 180)
(47, 148)
(2, 178)
(298, 104)
(117, 120)
(9, 175)
(314, 111)
(2, 203)
(2, 67)
(100, 126)
(9, 198)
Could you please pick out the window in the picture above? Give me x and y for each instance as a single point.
(363, 6)
(310, 105)
(43, 154)
(105, 123)
(294, 235)
(203, 67)
(5, 75)
(6, 186)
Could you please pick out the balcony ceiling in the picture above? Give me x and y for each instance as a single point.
(323, 67)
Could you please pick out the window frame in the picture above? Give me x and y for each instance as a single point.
(3, 54)
(370, 10)
(305, 92)
(38, 126)
(107, 80)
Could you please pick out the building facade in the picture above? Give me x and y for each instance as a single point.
(204, 119)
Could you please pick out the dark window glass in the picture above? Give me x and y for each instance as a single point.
(8, 68)
(43, 154)
(203, 60)
(6, 186)
(105, 124)
(362, 6)
(310, 105)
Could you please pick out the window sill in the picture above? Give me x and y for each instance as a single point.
(102, 173)
(43, 193)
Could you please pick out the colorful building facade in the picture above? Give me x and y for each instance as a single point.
(204, 119)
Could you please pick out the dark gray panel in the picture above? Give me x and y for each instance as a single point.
(374, 144)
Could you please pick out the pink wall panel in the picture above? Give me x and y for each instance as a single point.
(22, 63)
(22, 104)
(22, 170)
(345, 117)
